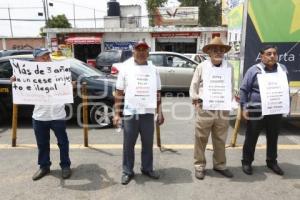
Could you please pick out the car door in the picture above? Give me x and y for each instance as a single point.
(5, 89)
(6, 97)
(180, 72)
(158, 60)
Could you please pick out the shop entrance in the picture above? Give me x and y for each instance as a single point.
(184, 46)
(84, 52)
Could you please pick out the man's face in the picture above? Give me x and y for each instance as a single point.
(269, 57)
(140, 55)
(216, 54)
(44, 58)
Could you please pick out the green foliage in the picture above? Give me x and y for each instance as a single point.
(151, 6)
(210, 11)
(59, 21)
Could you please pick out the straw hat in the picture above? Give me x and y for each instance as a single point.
(216, 42)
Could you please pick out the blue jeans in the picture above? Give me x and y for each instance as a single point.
(42, 135)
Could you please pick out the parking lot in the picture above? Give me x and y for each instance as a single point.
(97, 169)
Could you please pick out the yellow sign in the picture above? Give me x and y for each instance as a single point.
(4, 90)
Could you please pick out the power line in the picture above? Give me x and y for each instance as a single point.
(99, 18)
(77, 5)
(21, 8)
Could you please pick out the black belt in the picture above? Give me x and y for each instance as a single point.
(200, 101)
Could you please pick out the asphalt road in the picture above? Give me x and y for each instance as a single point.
(97, 169)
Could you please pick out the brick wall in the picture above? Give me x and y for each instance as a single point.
(22, 43)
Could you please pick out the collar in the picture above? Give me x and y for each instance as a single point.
(267, 69)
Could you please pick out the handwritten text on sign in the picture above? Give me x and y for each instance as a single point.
(42, 83)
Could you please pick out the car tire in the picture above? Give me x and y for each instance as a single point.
(101, 115)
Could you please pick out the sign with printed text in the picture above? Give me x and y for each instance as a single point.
(42, 83)
(142, 87)
(217, 88)
(274, 92)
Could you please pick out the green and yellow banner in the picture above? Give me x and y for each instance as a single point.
(275, 22)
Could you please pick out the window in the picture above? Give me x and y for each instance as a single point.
(5, 70)
(175, 61)
(157, 60)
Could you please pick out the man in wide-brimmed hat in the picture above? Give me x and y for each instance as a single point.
(211, 92)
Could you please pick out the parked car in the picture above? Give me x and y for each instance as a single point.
(100, 88)
(196, 57)
(105, 59)
(176, 70)
(4, 53)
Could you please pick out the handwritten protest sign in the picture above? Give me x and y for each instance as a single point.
(41, 83)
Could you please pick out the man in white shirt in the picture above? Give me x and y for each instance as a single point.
(211, 92)
(139, 84)
(44, 118)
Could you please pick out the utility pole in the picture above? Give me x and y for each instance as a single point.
(95, 16)
(45, 12)
(74, 14)
(11, 30)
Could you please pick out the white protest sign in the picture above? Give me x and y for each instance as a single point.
(141, 88)
(274, 93)
(217, 88)
(41, 83)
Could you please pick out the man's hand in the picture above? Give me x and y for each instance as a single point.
(195, 102)
(117, 120)
(160, 119)
(245, 114)
(13, 78)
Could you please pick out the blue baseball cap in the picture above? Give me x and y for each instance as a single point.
(40, 52)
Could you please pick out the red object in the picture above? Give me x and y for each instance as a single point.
(91, 62)
(114, 70)
(84, 40)
(175, 34)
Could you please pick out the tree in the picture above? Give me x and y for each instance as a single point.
(59, 21)
(210, 11)
(151, 7)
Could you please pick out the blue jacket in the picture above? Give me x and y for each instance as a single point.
(249, 90)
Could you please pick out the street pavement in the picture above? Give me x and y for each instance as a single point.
(97, 168)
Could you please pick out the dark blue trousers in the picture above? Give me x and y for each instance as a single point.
(42, 135)
(134, 125)
(271, 124)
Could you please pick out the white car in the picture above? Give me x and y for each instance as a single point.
(196, 57)
(176, 70)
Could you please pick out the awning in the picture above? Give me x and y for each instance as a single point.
(84, 40)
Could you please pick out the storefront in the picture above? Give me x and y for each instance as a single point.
(86, 47)
(180, 42)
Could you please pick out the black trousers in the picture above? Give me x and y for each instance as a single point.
(255, 124)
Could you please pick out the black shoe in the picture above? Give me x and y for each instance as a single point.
(276, 169)
(66, 172)
(247, 169)
(151, 174)
(40, 173)
(224, 172)
(126, 178)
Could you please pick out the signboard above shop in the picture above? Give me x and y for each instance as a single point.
(176, 16)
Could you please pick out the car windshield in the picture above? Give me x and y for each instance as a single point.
(110, 56)
(84, 69)
(188, 55)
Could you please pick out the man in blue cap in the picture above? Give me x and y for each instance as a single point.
(44, 118)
